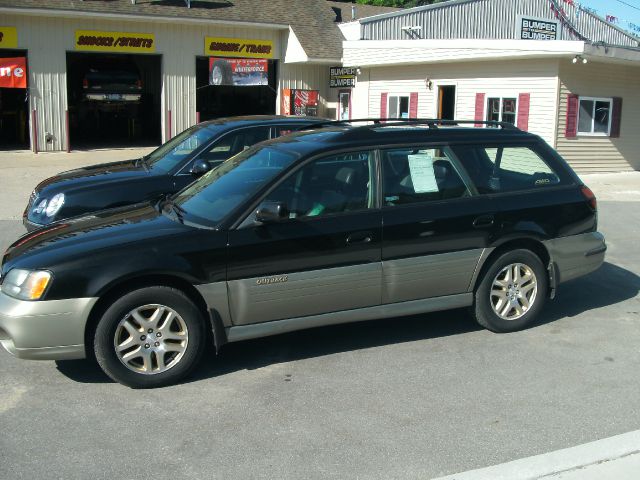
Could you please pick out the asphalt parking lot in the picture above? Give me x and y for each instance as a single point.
(414, 397)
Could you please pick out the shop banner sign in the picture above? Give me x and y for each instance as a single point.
(532, 28)
(342, 77)
(115, 41)
(8, 37)
(238, 47)
(13, 72)
(239, 72)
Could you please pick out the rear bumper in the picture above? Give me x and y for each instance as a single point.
(44, 330)
(576, 255)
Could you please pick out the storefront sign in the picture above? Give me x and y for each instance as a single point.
(8, 37)
(238, 47)
(531, 28)
(115, 41)
(239, 72)
(13, 72)
(342, 77)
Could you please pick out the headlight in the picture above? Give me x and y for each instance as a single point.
(40, 207)
(55, 204)
(26, 284)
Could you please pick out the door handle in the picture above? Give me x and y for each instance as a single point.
(356, 238)
(483, 221)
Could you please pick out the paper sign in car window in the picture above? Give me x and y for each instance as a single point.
(422, 174)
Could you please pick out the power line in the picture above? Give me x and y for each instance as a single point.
(628, 5)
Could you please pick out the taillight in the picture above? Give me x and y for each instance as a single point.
(590, 197)
(139, 83)
(85, 83)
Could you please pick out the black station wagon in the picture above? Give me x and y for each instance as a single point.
(166, 170)
(315, 228)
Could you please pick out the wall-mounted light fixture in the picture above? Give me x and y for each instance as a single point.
(428, 83)
(579, 58)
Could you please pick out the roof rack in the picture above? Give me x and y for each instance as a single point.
(433, 123)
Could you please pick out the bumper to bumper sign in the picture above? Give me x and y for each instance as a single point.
(44, 330)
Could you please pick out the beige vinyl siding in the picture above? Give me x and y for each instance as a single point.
(308, 77)
(506, 79)
(591, 154)
(48, 39)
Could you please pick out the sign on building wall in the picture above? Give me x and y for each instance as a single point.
(238, 47)
(8, 37)
(533, 28)
(342, 77)
(239, 72)
(13, 72)
(115, 41)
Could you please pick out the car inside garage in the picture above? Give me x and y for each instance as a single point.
(14, 100)
(227, 87)
(114, 99)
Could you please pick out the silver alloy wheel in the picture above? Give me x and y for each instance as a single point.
(151, 339)
(216, 75)
(513, 291)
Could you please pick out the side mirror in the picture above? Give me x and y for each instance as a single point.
(270, 212)
(200, 167)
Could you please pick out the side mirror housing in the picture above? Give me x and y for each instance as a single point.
(270, 212)
(200, 167)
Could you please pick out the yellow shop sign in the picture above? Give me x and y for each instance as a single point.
(8, 37)
(238, 47)
(115, 41)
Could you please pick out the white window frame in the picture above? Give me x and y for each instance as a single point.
(516, 97)
(593, 117)
(398, 96)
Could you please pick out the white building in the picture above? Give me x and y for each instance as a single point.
(544, 65)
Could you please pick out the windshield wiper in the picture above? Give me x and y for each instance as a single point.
(143, 160)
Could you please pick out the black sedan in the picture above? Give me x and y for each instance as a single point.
(166, 170)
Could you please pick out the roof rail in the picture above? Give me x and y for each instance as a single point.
(433, 123)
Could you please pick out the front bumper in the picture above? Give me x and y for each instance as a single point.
(576, 255)
(44, 330)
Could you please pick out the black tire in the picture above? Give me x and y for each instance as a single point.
(483, 310)
(178, 365)
(224, 75)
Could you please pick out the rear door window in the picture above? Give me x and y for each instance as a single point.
(417, 175)
(495, 169)
(234, 143)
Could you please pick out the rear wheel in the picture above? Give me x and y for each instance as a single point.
(512, 292)
(150, 337)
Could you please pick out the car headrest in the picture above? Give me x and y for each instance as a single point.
(346, 175)
(441, 169)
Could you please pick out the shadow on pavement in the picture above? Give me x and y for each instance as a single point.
(608, 286)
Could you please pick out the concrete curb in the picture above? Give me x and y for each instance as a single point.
(551, 463)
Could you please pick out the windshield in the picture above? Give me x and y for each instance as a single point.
(215, 195)
(168, 156)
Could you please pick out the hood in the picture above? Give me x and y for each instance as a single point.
(92, 175)
(82, 236)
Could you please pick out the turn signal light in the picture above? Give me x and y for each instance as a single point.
(590, 197)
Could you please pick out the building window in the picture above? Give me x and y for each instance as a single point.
(594, 116)
(398, 106)
(502, 109)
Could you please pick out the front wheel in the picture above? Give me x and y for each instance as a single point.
(512, 292)
(150, 337)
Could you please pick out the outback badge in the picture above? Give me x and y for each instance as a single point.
(270, 280)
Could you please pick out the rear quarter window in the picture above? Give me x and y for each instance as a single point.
(509, 168)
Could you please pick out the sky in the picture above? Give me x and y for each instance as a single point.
(629, 12)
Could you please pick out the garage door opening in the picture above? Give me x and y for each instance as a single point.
(231, 87)
(14, 100)
(114, 100)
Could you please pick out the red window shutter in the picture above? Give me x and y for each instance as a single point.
(616, 117)
(479, 117)
(383, 105)
(413, 105)
(571, 130)
(524, 104)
